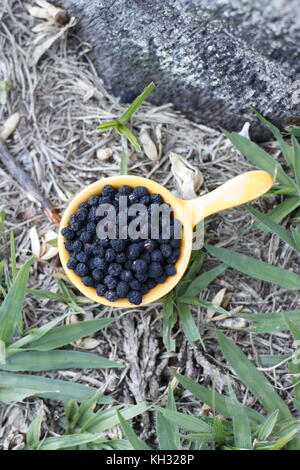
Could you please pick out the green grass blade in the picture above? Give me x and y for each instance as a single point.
(66, 334)
(286, 149)
(134, 440)
(34, 433)
(198, 258)
(130, 136)
(37, 333)
(240, 423)
(169, 319)
(294, 131)
(271, 360)
(294, 365)
(266, 429)
(11, 308)
(13, 255)
(273, 227)
(269, 322)
(123, 163)
(214, 399)
(136, 103)
(254, 268)
(259, 157)
(167, 432)
(65, 442)
(108, 418)
(296, 238)
(202, 282)
(187, 422)
(25, 385)
(57, 359)
(2, 216)
(296, 153)
(278, 213)
(107, 125)
(252, 377)
(187, 322)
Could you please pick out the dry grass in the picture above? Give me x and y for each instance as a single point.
(56, 142)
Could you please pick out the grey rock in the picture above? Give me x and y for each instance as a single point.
(213, 59)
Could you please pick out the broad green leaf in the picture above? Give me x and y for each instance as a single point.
(46, 294)
(272, 226)
(269, 322)
(11, 308)
(187, 422)
(266, 429)
(29, 385)
(169, 319)
(167, 432)
(188, 324)
(213, 399)
(58, 359)
(34, 433)
(65, 442)
(108, 418)
(259, 157)
(252, 377)
(202, 282)
(254, 268)
(286, 149)
(63, 335)
(134, 440)
(130, 136)
(136, 103)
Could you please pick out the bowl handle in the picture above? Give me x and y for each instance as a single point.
(239, 190)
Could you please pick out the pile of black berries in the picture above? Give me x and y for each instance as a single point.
(120, 268)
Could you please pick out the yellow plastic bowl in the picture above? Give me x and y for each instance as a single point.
(239, 190)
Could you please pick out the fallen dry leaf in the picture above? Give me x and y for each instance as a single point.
(9, 126)
(148, 145)
(188, 178)
(35, 242)
(88, 343)
(217, 301)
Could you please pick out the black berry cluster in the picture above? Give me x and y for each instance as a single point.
(119, 268)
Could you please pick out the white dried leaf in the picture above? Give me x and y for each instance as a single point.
(45, 27)
(148, 145)
(104, 154)
(88, 343)
(217, 301)
(245, 130)
(37, 12)
(35, 242)
(51, 253)
(9, 126)
(158, 136)
(43, 46)
(188, 178)
(235, 323)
